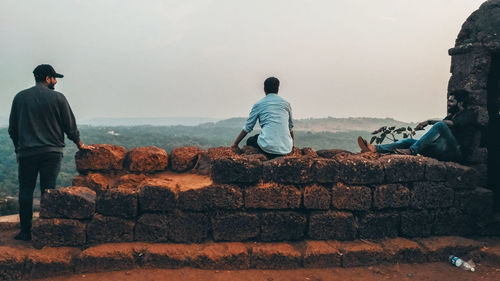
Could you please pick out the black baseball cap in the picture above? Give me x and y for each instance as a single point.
(44, 70)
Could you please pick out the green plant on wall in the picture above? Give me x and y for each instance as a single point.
(392, 133)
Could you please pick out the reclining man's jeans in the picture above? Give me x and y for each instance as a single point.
(438, 143)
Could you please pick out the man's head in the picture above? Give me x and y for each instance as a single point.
(271, 85)
(458, 100)
(46, 75)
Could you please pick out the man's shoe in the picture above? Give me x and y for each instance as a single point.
(24, 236)
(365, 146)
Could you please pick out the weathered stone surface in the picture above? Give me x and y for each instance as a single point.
(275, 256)
(118, 202)
(361, 253)
(50, 261)
(477, 202)
(146, 159)
(391, 196)
(236, 170)
(403, 168)
(332, 153)
(309, 152)
(279, 226)
(355, 198)
(187, 227)
(130, 181)
(360, 170)
(430, 195)
(332, 225)
(400, 250)
(104, 157)
(220, 152)
(454, 222)
(58, 232)
(152, 228)
(225, 197)
(157, 195)
(416, 223)
(108, 257)
(325, 170)
(435, 170)
(229, 256)
(12, 263)
(460, 177)
(95, 181)
(290, 169)
(316, 197)
(235, 226)
(104, 229)
(184, 158)
(320, 254)
(379, 225)
(272, 196)
(440, 247)
(71, 202)
(170, 255)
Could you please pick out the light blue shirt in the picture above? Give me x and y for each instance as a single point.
(275, 118)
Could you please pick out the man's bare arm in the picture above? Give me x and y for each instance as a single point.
(242, 135)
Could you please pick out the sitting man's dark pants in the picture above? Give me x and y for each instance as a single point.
(48, 164)
(252, 141)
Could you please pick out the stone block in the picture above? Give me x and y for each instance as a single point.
(275, 256)
(355, 198)
(379, 225)
(460, 177)
(213, 197)
(104, 229)
(454, 222)
(118, 202)
(360, 170)
(103, 158)
(12, 263)
(220, 152)
(148, 159)
(325, 170)
(288, 170)
(391, 196)
(477, 202)
(107, 257)
(321, 254)
(58, 232)
(130, 181)
(272, 196)
(332, 153)
(170, 255)
(403, 168)
(71, 202)
(332, 225)
(187, 227)
(236, 170)
(184, 158)
(401, 250)
(49, 262)
(440, 247)
(279, 226)
(157, 195)
(309, 152)
(430, 195)
(361, 253)
(152, 228)
(477, 156)
(228, 256)
(95, 181)
(235, 226)
(316, 197)
(435, 170)
(416, 223)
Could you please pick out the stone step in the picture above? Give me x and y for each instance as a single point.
(22, 262)
(12, 221)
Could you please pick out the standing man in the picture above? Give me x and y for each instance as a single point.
(38, 120)
(275, 118)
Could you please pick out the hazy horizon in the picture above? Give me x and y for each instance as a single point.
(205, 58)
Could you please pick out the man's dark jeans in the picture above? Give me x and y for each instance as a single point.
(48, 165)
(438, 143)
(252, 141)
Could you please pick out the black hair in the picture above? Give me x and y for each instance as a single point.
(39, 78)
(461, 96)
(271, 85)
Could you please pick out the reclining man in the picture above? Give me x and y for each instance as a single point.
(39, 118)
(275, 118)
(440, 141)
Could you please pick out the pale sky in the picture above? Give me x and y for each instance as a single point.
(209, 58)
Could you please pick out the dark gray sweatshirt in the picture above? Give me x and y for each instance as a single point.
(38, 120)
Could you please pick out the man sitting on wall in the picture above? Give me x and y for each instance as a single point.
(275, 118)
(440, 141)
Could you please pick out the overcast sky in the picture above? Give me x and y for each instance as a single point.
(209, 58)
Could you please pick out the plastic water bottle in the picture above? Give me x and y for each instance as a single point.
(465, 265)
